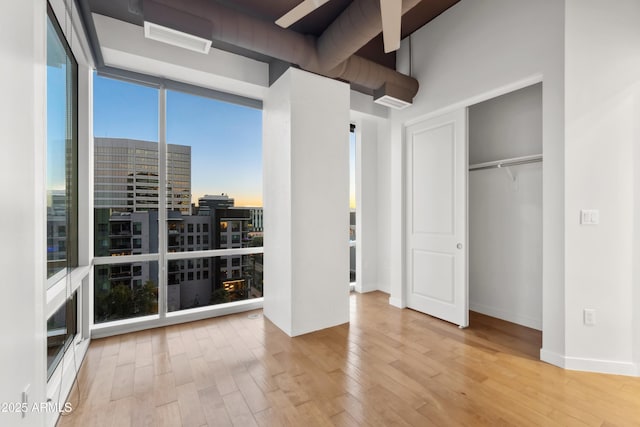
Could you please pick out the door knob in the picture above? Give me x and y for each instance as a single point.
(459, 246)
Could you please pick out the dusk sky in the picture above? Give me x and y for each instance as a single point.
(56, 111)
(225, 139)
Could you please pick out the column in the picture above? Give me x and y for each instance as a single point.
(306, 202)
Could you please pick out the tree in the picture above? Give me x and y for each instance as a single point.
(121, 302)
(256, 242)
(220, 296)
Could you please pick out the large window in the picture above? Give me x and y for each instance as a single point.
(193, 186)
(61, 190)
(126, 199)
(62, 149)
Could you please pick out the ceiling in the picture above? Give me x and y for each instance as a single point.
(341, 39)
(270, 10)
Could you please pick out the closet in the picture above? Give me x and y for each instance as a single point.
(505, 207)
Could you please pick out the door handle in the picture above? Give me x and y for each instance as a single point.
(459, 246)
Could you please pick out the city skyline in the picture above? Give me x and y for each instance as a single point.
(124, 110)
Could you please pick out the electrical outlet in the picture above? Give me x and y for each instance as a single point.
(589, 316)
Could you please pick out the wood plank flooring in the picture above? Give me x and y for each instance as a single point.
(387, 367)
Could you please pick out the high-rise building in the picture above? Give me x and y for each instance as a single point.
(126, 175)
(209, 201)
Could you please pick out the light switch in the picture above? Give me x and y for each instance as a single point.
(589, 316)
(589, 217)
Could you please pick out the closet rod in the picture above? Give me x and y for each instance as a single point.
(507, 162)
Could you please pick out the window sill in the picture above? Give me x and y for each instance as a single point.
(173, 318)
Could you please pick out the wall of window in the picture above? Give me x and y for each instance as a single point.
(177, 207)
(62, 154)
(126, 200)
(61, 188)
(65, 237)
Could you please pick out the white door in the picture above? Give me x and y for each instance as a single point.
(436, 222)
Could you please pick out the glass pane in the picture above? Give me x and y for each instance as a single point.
(61, 153)
(126, 290)
(214, 174)
(201, 282)
(126, 183)
(61, 328)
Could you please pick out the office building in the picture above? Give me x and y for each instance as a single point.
(126, 175)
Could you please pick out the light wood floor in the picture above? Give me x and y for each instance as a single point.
(387, 367)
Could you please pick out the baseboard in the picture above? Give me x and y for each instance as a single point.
(363, 289)
(529, 322)
(552, 358)
(602, 366)
(396, 302)
(612, 367)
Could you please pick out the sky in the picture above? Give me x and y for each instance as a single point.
(56, 111)
(225, 139)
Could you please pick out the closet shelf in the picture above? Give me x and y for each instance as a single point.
(507, 162)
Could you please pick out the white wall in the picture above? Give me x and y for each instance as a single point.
(372, 193)
(22, 123)
(385, 228)
(636, 254)
(123, 45)
(602, 129)
(505, 211)
(506, 126)
(276, 194)
(306, 202)
(475, 51)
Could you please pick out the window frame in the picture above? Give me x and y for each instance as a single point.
(164, 256)
(71, 235)
(63, 285)
(75, 279)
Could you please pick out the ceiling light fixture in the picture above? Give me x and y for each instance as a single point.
(176, 38)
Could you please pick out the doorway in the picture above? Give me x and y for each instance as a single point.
(505, 207)
(483, 164)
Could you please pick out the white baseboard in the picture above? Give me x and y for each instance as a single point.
(613, 367)
(552, 358)
(396, 302)
(529, 322)
(602, 366)
(364, 288)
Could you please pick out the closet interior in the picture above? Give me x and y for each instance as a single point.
(505, 207)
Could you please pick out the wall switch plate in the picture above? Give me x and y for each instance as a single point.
(589, 316)
(589, 217)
